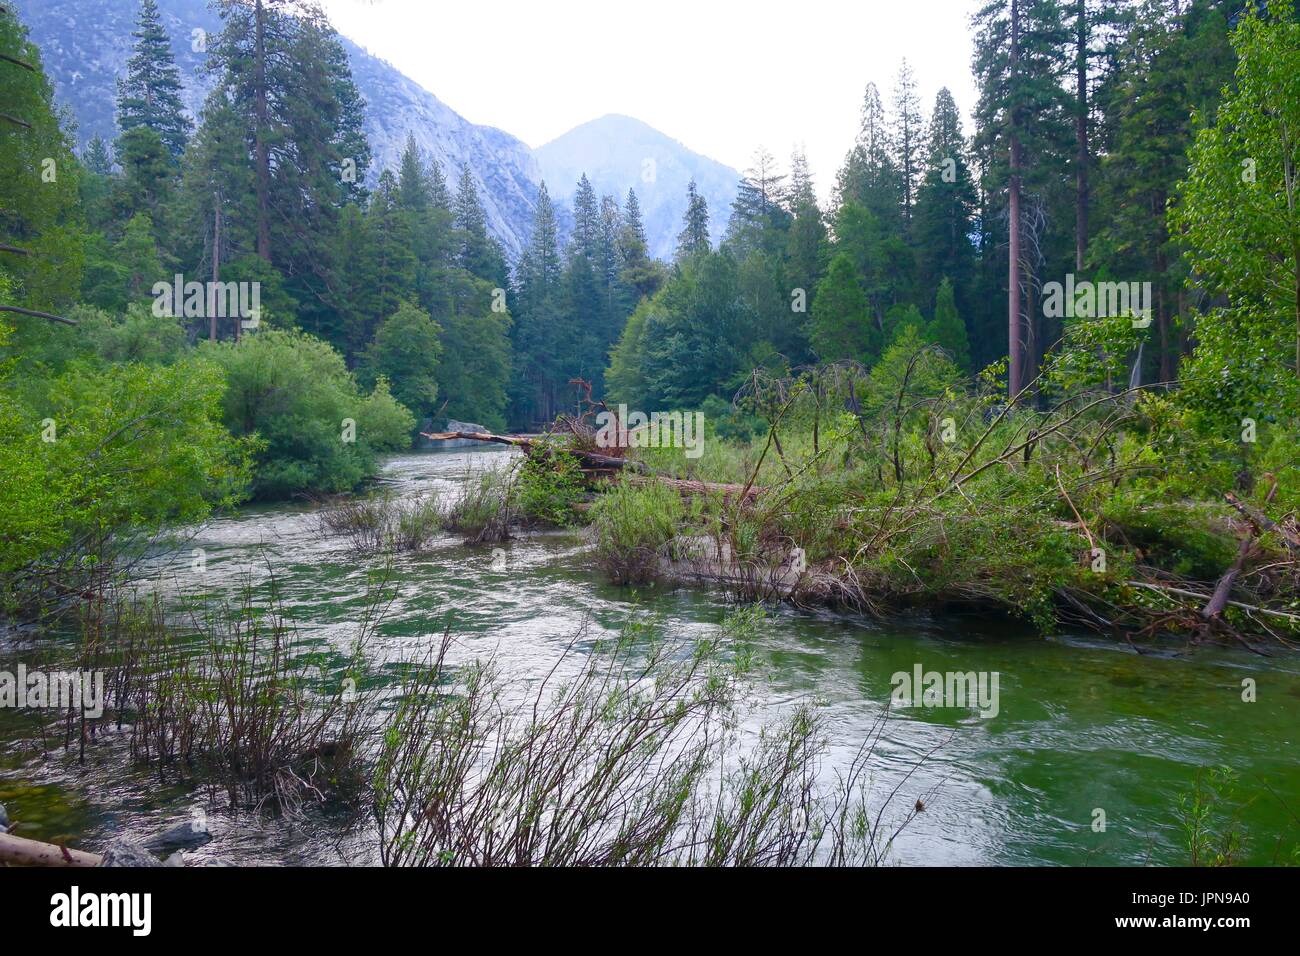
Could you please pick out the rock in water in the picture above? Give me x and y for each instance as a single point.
(185, 835)
(455, 426)
(126, 853)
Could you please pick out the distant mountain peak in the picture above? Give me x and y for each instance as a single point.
(617, 152)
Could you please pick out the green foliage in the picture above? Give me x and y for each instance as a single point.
(842, 324)
(406, 350)
(108, 456)
(1210, 815)
(38, 184)
(635, 526)
(697, 334)
(149, 94)
(1240, 214)
(294, 393)
(946, 329)
(547, 486)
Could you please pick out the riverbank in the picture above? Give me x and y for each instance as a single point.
(1083, 721)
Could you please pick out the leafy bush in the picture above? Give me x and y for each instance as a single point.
(105, 459)
(634, 527)
(547, 486)
(318, 432)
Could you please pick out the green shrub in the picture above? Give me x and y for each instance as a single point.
(319, 433)
(635, 526)
(548, 485)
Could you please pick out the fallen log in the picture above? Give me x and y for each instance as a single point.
(689, 488)
(1262, 522)
(594, 460)
(1213, 610)
(608, 464)
(518, 440)
(19, 851)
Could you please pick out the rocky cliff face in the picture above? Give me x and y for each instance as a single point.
(85, 45)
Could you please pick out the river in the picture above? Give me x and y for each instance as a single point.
(1083, 724)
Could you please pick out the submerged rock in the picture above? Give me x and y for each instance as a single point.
(186, 835)
(125, 853)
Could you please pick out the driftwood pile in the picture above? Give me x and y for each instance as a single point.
(598, 463)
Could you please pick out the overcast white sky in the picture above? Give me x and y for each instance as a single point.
(721, 76)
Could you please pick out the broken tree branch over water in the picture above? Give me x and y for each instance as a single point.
(19, 851)
(597, 464)
(593, 460)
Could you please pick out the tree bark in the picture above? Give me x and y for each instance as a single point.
(1014, 356)
(262, 157)
(1081, 136)
(216, 259)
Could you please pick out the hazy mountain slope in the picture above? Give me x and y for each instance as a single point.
(85, 45)
(618, 152)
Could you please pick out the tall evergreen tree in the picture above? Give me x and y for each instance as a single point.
(476, 251)
(908, 136)
(758, 214)
(1023, 117)
(543, 337)
(945, 206)
(98, 159)
(641, 274)
(694, 237)
(150, 93)
(869, 176)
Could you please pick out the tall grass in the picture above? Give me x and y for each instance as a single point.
(633, 761)
(635, 527)
(384, 523)
(486, 509)
(232, 701)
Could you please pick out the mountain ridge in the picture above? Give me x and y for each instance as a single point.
(84, 66)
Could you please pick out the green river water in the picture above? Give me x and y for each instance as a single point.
(1083, 723)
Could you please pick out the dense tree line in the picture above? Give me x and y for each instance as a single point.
(1092, 154)
(1084, 130)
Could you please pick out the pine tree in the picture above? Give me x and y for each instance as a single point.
(394, 258)
(758, 217)
(586, 220)
(907, 137)
(98, 159)
(414, 191)
(947, 329)
(149, 176)
(149, 94)
(216, 200)
(1023, 117)
(476, 252)
(694, 237)
(641, 274)
(945, 205)
(806, 242)
(542, 335)
(842, 327)
(870, 177)
(1097, 28)
(1168, 64)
